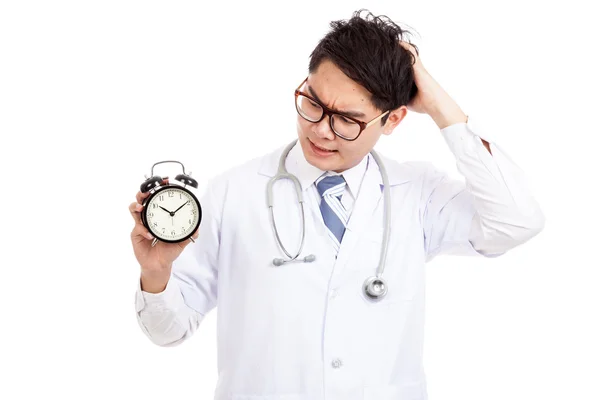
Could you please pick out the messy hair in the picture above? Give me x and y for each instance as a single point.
(367, 50)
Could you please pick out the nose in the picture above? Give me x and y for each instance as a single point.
(323, 129)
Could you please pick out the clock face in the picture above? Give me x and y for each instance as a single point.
(172, 214)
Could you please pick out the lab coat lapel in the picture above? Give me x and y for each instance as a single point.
(369, 196)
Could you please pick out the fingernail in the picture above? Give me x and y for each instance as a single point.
(150, 236)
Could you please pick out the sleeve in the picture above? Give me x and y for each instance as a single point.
(490, 212)
(172, 316)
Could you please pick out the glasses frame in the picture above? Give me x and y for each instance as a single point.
(329, 112)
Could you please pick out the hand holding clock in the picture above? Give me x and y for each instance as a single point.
(155, 261)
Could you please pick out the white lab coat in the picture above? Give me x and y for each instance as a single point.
(304, 331)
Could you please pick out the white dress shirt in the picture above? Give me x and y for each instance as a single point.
(353, 177)
(304, 330)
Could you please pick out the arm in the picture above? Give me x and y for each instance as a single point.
(489, 213)
(174, 312)
(493, 210)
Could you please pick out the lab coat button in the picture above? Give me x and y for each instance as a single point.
(336, 363)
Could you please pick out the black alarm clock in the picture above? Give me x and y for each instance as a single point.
(172, 212)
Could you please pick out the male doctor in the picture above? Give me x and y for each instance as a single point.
(306, 329)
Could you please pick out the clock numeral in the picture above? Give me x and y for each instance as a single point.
(189, 203)
(154, 205)
(173, 233)
(156, 224)
(171, 193)
(182, 230)
(151, 214)
(194, 212)
(161, 197)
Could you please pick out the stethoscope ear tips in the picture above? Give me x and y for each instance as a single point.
(278, 262)
(375, 288)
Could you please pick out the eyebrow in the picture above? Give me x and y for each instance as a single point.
(355, 114)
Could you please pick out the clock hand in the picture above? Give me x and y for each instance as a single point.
(180, 207)
(165, 209)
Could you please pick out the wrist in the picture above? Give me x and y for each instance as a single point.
(445, 111)
(153, 282)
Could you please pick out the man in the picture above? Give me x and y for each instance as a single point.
(307, 328)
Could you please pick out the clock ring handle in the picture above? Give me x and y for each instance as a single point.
(154, 181)
(168, 161)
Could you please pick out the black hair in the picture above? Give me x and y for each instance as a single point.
(367, 50)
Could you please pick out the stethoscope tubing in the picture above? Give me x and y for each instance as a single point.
(374, 287)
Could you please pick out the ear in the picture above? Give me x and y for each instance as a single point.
(394, 118)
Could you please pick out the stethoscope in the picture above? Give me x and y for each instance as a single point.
(375, 287)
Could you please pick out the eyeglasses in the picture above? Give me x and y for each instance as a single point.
(344, 126)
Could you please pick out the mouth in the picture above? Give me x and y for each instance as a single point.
(320, 150)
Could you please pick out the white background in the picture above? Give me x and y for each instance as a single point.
(93, 93)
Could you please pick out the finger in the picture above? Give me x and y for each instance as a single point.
(141, 196)
(135, 209)
(410, 47)
(140, 231)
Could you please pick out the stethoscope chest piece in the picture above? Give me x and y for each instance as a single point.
(375, 288)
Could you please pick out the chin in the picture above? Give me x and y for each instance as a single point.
(321, 164)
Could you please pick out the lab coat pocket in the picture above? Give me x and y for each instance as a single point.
(407, 391)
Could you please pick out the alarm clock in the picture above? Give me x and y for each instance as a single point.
(171, 212)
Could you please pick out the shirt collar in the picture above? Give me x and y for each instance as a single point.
(307, 173)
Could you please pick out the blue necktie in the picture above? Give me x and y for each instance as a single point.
(335, 216)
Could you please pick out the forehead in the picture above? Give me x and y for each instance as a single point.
(337, 90)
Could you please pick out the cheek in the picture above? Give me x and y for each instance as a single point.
(302, 126)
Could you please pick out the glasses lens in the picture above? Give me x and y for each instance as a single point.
(308, 109)
(345, 127)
